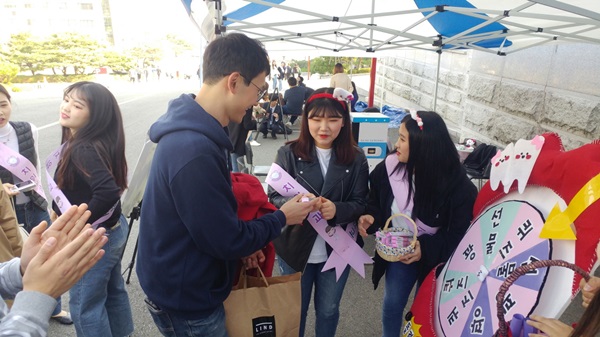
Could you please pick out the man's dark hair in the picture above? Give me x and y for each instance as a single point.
(234, 53)
(292, 81)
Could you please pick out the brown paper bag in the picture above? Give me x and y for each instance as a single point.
(264, 306)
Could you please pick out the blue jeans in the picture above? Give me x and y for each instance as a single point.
(328, 294)
(30, 216)
(170, 325)
(399, 281)
(99, 303)
(234, 163)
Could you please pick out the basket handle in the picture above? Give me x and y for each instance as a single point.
(520, 271)
(416, 230)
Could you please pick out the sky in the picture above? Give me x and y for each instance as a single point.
(138, 19)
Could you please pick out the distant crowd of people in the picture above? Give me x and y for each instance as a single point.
(192, 239)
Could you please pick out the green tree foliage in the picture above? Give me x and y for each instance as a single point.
(116, 61)
(178, 46)
(145, 56)
(27, 52)
(325, 64)
(8, 71)
(76, 51)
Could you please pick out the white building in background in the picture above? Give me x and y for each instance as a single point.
(46, 17)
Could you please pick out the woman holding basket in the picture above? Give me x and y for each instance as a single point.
(424, 180)
(326, 162)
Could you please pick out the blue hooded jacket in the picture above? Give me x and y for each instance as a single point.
(190, 238)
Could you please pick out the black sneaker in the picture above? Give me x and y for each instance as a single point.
(274, 136)
(264, 136)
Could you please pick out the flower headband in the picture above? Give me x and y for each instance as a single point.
(339, 95)
(415, 116)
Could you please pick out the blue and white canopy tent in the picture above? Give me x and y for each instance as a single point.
(380, 27)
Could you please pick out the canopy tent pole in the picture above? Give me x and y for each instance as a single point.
(437, 79)
(372, 81)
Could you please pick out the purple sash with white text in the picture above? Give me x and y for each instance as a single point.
(20, 167)
(345, 249)
(58, 196)
(400, 190)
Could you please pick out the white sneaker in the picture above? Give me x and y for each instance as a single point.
(254, 143)
(288, 124)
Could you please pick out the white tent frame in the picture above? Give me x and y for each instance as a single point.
(566, 24)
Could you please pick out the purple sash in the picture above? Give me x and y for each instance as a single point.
(400, 190)
(58, 196)
(345, 249)
(21, 167)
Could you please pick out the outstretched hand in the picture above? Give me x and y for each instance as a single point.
(53, 271)
(296, 211)
(364, 222)
(549, 327)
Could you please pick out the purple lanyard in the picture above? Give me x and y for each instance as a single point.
(20, 167)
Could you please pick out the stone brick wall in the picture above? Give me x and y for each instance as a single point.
(499, 99)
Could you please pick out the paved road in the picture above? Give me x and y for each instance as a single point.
(141, 104)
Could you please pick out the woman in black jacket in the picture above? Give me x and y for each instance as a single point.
(425, 180)
(325, 161)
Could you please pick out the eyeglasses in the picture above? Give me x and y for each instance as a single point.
(261, 92)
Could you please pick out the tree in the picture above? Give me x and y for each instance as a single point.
(8, 71)
(75, 50)
(145, 55)
(178, 45)
(116, 61)
(27, 52)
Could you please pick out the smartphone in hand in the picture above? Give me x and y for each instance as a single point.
(24, 186)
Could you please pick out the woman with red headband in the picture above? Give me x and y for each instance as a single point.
(326, 161)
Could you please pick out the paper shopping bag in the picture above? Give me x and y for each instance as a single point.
(264, 306)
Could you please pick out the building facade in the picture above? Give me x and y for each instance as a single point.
(46, 17)
(500, 99)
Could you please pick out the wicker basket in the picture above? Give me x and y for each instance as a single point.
(520, 271)
(394, 254)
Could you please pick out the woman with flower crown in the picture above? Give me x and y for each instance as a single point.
(423, 179)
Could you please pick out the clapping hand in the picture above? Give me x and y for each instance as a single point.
(64, 229)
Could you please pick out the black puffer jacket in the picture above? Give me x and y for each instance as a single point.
(345, 185)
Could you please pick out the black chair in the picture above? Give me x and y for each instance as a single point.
(252, 169)
(478, 163)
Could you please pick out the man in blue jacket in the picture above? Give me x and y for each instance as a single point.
(190, 237)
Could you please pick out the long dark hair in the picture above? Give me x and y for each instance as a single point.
(344, 145)
(104, 132)
(589, 324)
(432, 161)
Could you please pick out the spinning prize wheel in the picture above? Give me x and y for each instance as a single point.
(501, 239)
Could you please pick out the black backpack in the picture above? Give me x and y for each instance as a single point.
(479, 161)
